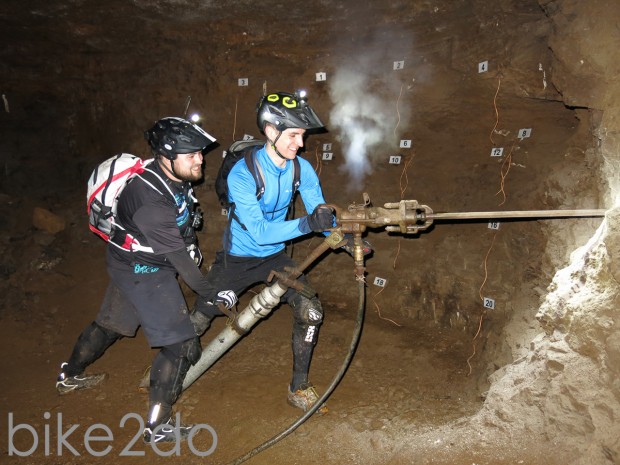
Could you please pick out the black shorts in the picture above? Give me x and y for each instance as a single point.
(230, 272)
(152, 300)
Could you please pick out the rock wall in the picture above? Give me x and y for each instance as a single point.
(565, 389)
(565, 386)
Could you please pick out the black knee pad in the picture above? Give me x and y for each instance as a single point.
(189, 349)
(94, 340)
(170, 368)
(91, 345)
(100, 336)
(307, 311)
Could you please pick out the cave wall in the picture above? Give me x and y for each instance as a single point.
(565, 384)
(83, 79)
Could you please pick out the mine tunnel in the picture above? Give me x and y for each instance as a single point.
(484, 340)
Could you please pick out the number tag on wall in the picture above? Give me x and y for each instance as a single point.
(381, 282)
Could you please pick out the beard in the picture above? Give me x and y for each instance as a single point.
(188, 174)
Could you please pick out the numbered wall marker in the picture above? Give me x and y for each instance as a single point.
(247, 137)
(327, 147)
(224, 153)
(328, 156)
(489, 303)
(525, 132)
(483, 66)
(497, 151)
(493, 224)
(405, 143)
(381, 282)
(395, 160)
(321, 76)
(243, 82)
(399, 64)
(224, 212)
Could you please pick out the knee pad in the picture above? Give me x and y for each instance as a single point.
(170, 368)
(91, 345)
(98, 338)
(307, 311)
(189, 349)
(104, 333)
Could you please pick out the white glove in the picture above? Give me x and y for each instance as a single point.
(228, 298)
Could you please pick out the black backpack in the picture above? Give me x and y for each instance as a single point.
(246, 149)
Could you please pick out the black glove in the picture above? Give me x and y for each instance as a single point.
(351, 244)
(200, 322)
(204, 311)
(321, 219)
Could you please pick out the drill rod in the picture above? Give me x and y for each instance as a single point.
(517, 214)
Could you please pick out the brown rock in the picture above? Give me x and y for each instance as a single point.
(47, 221)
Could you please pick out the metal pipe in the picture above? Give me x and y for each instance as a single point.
(411, 217)
(259, 307)
(517, 214)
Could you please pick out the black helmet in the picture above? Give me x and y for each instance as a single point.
(171, 136)
(286, 111)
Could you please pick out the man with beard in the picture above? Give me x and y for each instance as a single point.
(156, 216)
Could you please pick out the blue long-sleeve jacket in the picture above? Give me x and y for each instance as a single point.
(265, 220)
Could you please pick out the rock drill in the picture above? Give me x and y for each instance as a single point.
(405, 217)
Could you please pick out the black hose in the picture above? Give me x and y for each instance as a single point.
(345, 365)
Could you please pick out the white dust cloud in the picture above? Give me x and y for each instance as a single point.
(369, 109)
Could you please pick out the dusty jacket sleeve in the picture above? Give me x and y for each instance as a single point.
(191, 274)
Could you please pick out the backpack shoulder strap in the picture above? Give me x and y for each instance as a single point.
(255, 170)
(162, 182)
(296, 175)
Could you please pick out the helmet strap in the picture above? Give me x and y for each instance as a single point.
(169, 170)
(273, 146)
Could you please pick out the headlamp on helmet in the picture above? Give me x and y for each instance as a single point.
(286, 111)
(171, 136)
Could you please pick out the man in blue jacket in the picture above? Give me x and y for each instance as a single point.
(255, 242)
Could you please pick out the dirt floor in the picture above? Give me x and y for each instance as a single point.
(413, 379)
(405, 381)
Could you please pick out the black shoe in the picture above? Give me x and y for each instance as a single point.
(167, 432)
(66, 384)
